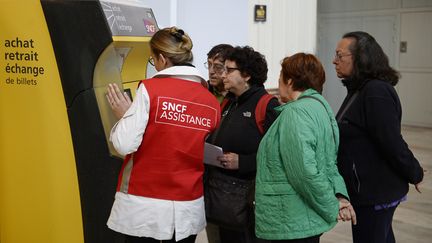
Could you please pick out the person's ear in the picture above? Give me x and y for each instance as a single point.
(290, 82)
(162, 59)
(246, 77)
(165, 61)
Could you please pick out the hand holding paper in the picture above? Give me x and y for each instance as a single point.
(211, 154)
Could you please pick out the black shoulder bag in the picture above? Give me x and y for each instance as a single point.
(228, 200)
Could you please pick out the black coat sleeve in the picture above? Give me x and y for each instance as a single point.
(383, 123)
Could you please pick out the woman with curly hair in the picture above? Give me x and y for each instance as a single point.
(239, 135)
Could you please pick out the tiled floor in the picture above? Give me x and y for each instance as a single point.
(413, 218)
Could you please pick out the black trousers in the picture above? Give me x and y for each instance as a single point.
(233, 236)
(312, 239)
(134, 239)
(373, 226)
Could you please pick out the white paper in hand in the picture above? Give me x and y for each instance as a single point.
(211, 152)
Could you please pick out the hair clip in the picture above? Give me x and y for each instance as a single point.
(178, 35)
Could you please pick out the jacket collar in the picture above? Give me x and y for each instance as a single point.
(182, 72)
(308, 92)
(353, 85)
(245, 96)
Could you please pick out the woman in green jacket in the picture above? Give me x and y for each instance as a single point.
(299, 192)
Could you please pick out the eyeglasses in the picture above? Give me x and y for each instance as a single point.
(338, 56)
(217, 68)
(230, 69)
(151, 61)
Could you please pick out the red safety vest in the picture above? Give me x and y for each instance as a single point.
(169, 162)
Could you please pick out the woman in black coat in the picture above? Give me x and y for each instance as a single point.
(373, 158)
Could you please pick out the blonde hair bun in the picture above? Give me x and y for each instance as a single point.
(174, 44)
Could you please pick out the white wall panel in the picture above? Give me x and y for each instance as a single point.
(335, 6)
(290, 28)
(414, 91)
(213, 22)
(416, 3)
(416, 30)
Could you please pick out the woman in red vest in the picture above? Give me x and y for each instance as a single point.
(162, 134)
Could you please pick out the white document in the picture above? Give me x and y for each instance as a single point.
(211, 152)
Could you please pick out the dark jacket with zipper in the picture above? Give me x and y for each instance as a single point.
(373, 158)
(238, 132)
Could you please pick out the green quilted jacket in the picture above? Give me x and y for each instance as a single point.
(297, 178)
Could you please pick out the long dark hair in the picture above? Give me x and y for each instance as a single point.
(370, 61)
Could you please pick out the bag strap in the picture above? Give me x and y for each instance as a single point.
(261, 110)
(224, 103)
(322, 103)
(340, 114)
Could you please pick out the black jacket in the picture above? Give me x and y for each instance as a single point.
(373, 158)
(238, 132)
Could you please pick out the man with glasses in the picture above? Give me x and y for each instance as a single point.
(215, 65)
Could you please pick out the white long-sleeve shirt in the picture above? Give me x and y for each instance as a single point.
(143, 216)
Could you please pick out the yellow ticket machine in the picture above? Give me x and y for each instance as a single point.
(58, 172)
